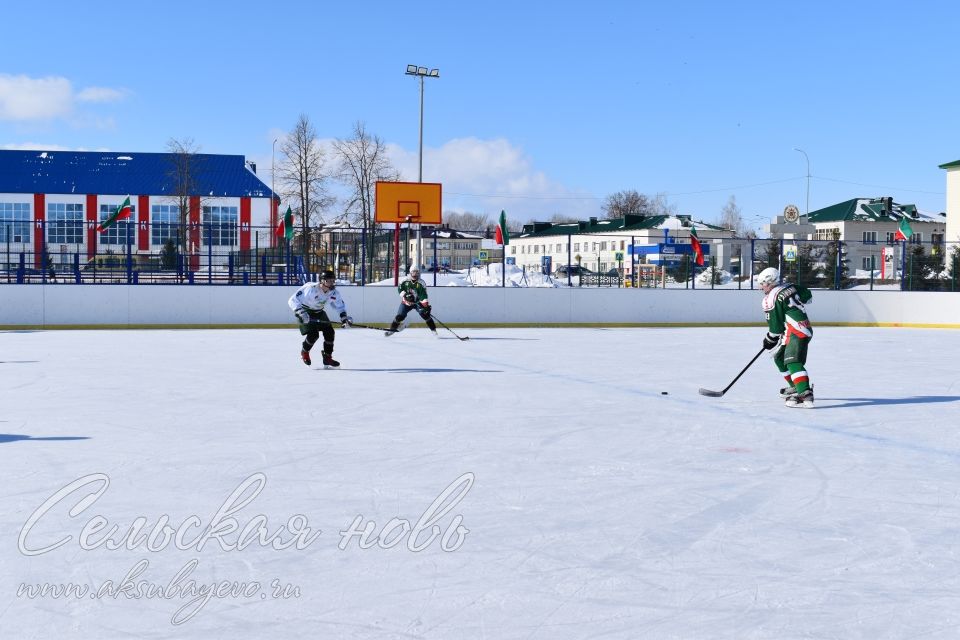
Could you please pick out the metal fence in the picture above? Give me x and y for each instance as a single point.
(207, 254)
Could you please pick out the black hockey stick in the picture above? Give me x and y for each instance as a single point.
(440, 322)
(719, 394)
(352, 324)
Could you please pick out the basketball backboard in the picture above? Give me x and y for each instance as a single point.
(415, 202)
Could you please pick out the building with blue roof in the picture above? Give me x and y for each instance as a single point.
(57, 199)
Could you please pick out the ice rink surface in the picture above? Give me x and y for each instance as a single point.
(526, 483)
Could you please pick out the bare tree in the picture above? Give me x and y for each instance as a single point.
(621, 203)
(362, 162)
(184, 172)
(658, 206)
(303, 178)
(560, 218)
(467, 221)
(730, 217)
(631, 201)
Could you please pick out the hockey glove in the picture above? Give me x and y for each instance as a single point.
(409, 298)
(770, 340)
(302, 316)
(346, 321)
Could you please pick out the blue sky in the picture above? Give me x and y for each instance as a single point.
(540, 108)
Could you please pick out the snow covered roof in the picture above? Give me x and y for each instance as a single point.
(868, 210)
(629, 222)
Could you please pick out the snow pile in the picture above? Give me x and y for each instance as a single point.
(490, 275)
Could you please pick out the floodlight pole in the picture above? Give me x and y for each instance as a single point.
(273, 193)
(421, 73)
(808, 177)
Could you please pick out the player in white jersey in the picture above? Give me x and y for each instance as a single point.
(311, 304)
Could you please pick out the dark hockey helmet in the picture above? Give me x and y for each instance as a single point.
(328, 279)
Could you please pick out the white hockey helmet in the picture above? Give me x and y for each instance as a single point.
(770, 276)
(414, 272)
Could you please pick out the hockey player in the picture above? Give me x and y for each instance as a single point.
(310, 304)
(413, 295)
(788, 328)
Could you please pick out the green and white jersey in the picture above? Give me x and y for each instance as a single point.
(417, 287)
(785, 312)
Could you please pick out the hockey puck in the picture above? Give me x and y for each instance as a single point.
(664, 393)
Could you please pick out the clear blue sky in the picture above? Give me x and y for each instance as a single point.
(540, 108)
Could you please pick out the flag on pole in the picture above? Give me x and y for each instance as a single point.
(285, 228)
(903, 231)
(502, 235)
(122, 213)
(695, 243)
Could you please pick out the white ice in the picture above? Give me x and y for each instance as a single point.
(589, 505)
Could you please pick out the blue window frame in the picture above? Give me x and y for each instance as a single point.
(15, 219)
(220, 226)
(64, 223)
(164, 222)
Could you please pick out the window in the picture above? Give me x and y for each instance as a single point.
(513, 250)
(576, 246)
(827, 234)
(117, 233)
(936, 238)
(890, 235)
(869, 263)
(603, 246)
(164, 222)
(219, 226)
(15, 222)
(869, 237)
(916, 238)
(64, 223)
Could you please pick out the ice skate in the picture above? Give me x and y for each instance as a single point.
(329, 362)
(305, 355)
(786, 392)
(802, 400)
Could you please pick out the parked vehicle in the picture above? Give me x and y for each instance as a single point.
(573, 270)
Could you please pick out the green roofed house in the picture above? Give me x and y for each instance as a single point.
(953, 200)
(604, 245)
(865, 223)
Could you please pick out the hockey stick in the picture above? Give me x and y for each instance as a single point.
(352, 324)
(440, 322)
(719, 394)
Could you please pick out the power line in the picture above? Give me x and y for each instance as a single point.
(691, 193)
(880, 186)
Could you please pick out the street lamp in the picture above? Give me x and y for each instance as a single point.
(421, 72)
(273, 180)
(808, 176)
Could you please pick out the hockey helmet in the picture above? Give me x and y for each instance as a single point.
(328, 279)
(414, 273)
(769, 276)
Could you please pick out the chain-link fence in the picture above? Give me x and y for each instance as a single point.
(50, 252)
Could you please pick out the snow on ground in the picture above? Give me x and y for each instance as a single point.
(491, 275)
(526, 483)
